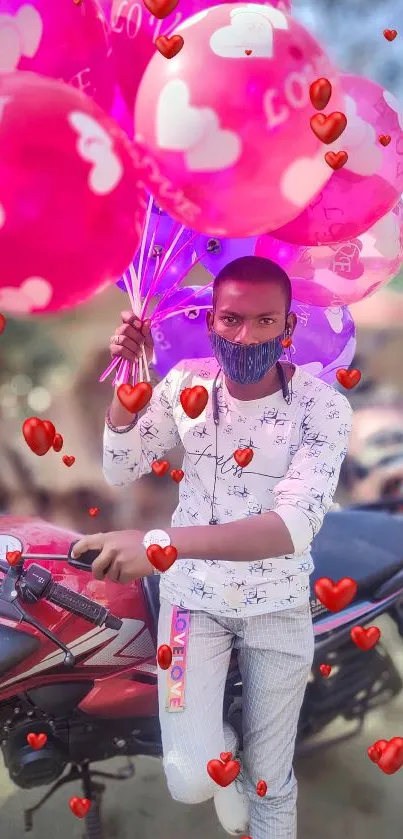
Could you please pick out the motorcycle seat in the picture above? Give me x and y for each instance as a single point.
(362, 544)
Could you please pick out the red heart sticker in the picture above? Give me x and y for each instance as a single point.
(320, 92)
(194, 400)
(329, 128)
(177, 475)
(325, 670)
(2, 323)
(160, 8)
(336, 161)
(348, 378)
(68, 459)
(160, 467)
(134, 399)
(243, 457)
(93, 511)
(79, 806)
(261, 788)
(13, 557)
(223, 773)
(37, 741)
(384, 139)
(388, 755)
(169, 47)
(37, 435)
(335, 596)
(225, 756)
(390, 34)
(248, 52)
(365, 639)
(58, 443)
(164, 656)
(162, 558)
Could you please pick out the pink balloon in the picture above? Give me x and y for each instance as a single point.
(225, 135)
(336, 275)
(370, 183)
(134, 31)
(59, 39)
(71, 209)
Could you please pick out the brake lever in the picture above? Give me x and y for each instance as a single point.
(84, 562)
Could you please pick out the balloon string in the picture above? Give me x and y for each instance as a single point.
(174, 287)
(136, 305)
(108, 371)
(158, 315)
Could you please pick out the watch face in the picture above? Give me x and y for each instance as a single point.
(157, 537)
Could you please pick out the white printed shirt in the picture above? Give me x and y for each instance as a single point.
(298, 451)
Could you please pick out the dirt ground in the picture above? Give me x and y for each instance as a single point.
(341, 793)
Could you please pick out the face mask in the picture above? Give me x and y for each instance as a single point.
(245, 363)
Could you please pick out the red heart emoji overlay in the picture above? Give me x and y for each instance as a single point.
(223, 773)
(37, 741)
(365, 639)
(348, 378)
(13, 557)
(93, 511)
(390, 34)
(160, 8)
(134, 399)
(329, 128)
(336, 161)
(160, 467)
(388, 755)
(177, 475)
(2, 323)
(243, 457)
(164, 656)
(79, 806)
(194, 400)
(320, 92)
(68, 459)
(50, 429)
(58, 443)
(225, 756)
(248, 52)
(384, 139)
(325, 670)
(37, 435)
(261, 788)
(162, 558)
(169, 47)
(335, 596)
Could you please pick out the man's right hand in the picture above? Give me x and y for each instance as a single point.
(130, 337)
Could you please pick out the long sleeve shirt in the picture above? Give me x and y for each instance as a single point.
(298, 450)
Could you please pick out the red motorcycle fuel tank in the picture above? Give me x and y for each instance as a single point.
(110, 659)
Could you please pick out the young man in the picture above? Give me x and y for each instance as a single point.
(245, 580)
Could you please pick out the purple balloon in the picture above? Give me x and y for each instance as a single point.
(215, 254)
(180, 259)
(323, 340)
(184, 335)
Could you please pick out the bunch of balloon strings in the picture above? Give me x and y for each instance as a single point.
(140, 297)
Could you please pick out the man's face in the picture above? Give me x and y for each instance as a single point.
(249, 312)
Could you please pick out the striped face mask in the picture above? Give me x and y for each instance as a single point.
(245, 363)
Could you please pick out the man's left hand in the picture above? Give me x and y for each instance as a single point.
(122, 555)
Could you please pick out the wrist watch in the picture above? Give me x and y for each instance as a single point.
(156, 537)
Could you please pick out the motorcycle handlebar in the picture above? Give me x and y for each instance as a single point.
(82, 606)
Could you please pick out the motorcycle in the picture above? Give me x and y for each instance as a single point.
(78, 657)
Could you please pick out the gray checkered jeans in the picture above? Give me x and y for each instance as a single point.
(275, 653)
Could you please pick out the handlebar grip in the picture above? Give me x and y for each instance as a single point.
(84, 562)
(82, 606)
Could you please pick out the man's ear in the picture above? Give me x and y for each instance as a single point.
(209, 319)
(291, 323)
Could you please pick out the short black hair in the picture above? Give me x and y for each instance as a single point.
(255, 269)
